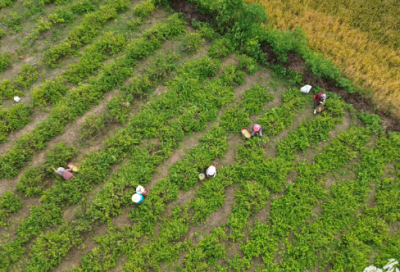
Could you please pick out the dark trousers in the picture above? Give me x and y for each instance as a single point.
(316, 103)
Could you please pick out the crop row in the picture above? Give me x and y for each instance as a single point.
(155, 74)
(209, 198)
(35, 178)
(83, 97)
(63, 15)
(359, 235)
(203, 68)
(183, 175)
(85, 32)
(52, 91)
(105, 205)
(250, 198)
(5, 61)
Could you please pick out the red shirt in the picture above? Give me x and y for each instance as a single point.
(67, 174)
(318, 97)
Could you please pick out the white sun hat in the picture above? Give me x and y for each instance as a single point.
(136, 198)
(139, 189)
(17, 99)
(211, 170)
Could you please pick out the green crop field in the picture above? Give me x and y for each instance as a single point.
(152, 93)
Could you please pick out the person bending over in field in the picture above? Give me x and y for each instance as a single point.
(319, 99)
(211, 171)
(65, 173)
(256, 130)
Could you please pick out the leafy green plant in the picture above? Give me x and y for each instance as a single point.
(50, 92)
(234, 119)
(206, 31)
(82, 7)
(221, 48)
(371, 121)
(144, 9)
(255, 98)
(13, 20)
(27, 76)
(191, 42)
(92, 127)
(9, 203)
(16, 117)
(31, 182)
(248, 64)
(5, 61)
(8, 90)
(135, 23)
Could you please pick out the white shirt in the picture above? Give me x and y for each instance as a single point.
(211, 171)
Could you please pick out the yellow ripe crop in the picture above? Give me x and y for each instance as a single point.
(369, 63)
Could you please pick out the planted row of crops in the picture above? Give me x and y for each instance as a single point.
(81, 98)
(209, 197)
(204, 68)
(310, 224)
(52, 91)
(61, 194)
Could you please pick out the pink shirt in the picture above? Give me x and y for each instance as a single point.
(67, 174)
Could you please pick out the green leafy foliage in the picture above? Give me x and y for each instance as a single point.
(371, 121)
(92, 127)
(13, 20)
(221, 48)
(31, 182)
(248, 64)
(206, 31)
(27, 76)
(5, 61)
(15, 117)
(255, 98)
(82, 7)
(191, 42)
(83, 33)
(50, 92)
(8, 90)
(207, 252)
(144, 9)
(9, 203)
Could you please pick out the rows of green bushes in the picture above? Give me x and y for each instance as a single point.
(84, 96)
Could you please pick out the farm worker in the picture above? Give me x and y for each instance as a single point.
(65, 173)
(137, 198)
(211, 171)
(141, 190)
(319, 99)
(256, 129)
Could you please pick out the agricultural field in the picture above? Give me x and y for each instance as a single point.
(152, 93)
(360, 37)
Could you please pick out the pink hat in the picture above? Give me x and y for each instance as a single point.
(257, 127)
